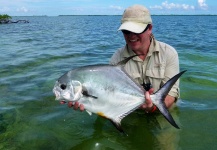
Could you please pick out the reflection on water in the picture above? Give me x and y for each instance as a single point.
(194, 105)
(144, 131)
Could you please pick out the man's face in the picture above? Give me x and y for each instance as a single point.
(137, 42)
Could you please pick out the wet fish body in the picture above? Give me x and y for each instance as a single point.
(109, 91)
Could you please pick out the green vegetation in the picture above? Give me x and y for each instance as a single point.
(4, 18)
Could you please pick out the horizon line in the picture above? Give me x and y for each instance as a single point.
(121, 15)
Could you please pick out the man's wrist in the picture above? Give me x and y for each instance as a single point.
(154, 108)
(151, 109)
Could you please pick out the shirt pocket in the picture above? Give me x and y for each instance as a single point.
(155, 77)
(155, 73)
(136, 77)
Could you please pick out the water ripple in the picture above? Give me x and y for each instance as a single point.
(34, 55)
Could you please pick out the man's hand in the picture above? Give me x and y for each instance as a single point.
(76, 105)
(148, 105)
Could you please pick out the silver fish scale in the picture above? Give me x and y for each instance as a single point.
(108, 77)
(117, 94)
(109, 92)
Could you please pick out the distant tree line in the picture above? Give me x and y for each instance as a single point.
(4, 19)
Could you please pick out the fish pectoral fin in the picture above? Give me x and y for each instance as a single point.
(90, 113)
(85, 93)
(118, 126)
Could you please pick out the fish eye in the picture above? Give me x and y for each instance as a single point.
(63, 86)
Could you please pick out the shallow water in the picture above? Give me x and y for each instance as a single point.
(34, 55)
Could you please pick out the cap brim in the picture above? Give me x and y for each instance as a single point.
(133, 27)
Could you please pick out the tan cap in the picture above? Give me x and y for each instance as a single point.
(135, 19)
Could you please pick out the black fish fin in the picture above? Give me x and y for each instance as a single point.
(123, 62)
(118, 126)
(167, 115)
(160, 96)
(85, 93)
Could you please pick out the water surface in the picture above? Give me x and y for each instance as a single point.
(34, 55)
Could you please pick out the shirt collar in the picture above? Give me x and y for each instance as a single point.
(154, 47)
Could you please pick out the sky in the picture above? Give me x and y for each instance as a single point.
(104, 7)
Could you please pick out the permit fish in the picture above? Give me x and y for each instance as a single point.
(109, 91)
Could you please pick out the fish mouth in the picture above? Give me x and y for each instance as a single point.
(57, 94)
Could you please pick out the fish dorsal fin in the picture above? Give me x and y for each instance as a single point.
(90, 113)
(123, 62)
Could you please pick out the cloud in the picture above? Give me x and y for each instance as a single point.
(116, 7)
(22, 9)
(202, 4)
(172, 6)
(5, 9)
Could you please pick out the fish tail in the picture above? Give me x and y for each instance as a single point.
(159, 96)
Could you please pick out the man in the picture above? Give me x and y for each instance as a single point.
(156, 62)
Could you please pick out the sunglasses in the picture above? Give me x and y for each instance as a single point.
(128, 32)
